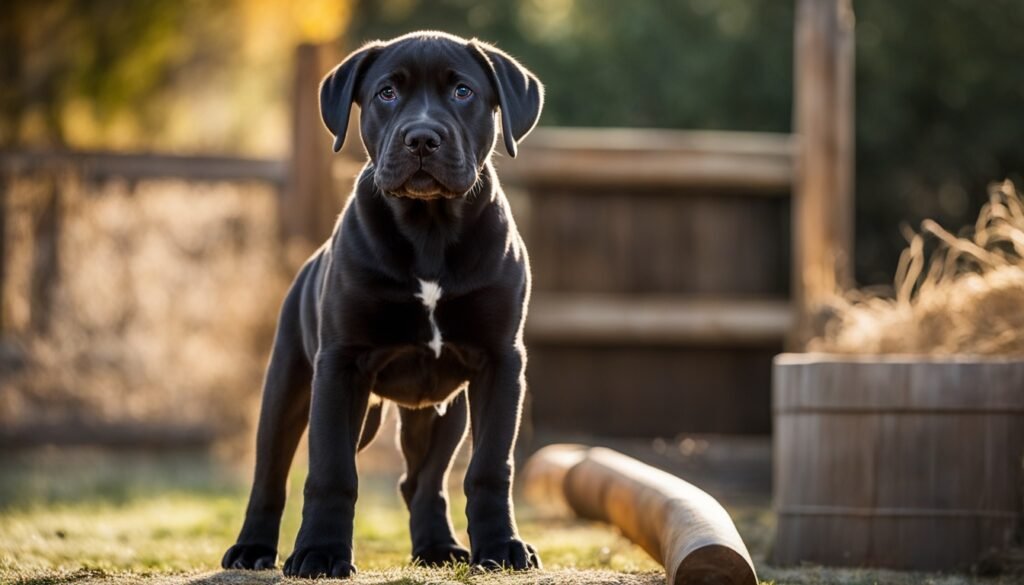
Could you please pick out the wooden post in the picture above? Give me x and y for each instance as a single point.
(823, 187)
(675, 522)
(4, 181)
(310, 204)
(46, 260)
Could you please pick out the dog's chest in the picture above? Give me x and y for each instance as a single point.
(429, 294)
(430, 370)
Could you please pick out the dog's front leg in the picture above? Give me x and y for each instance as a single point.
(495, 402)
(323, 547)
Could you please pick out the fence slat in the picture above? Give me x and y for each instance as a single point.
(758, 163)
(146, 166)
(46, 258)
(622, 319)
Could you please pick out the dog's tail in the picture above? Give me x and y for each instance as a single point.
(374, 416)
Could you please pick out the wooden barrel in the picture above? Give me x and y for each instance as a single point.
(903, 462)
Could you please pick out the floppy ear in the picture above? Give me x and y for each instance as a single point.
(338, 90)
(520, 94)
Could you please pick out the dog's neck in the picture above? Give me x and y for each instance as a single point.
(432, 226)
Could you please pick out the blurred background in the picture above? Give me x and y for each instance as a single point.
(163, 171)
(150, 200)
(153, 216)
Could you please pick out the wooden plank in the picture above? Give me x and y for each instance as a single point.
(650, 390)
(755, 162)
(652, 241)
(97, 164)
(823, 185)
(620, 319)
(109, 435)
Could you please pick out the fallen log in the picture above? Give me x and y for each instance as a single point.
(678, 524)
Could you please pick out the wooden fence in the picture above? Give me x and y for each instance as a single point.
(661, 274)
(97, 166)
(669, 266)
(81, 236)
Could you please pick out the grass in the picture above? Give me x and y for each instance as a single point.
(89, 518)
(84, 517)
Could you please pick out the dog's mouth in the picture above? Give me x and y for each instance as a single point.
(442, 175)
(423, 185)
(420, 184)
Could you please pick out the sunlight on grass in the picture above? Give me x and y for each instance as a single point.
(86, 517)
(83, 517)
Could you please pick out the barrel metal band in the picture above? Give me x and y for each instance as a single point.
(895, 512)
(854, 410)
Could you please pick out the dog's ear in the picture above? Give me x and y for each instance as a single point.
(338, 91)
(520, 94)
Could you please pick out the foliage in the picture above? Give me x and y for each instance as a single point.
(101, 56)
(939, 93)
(664, 63)
(164, 75)
(939, 84)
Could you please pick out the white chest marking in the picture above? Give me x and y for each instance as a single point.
(430, 293)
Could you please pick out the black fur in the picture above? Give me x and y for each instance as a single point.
(353, 334)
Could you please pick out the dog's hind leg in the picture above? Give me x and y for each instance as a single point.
(429, 441)
(284, 415)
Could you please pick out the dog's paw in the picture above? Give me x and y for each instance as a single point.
(436, 556)
(250, 556)
(314, 563)
(511, 554)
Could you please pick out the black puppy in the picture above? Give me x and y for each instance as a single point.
(418, 298)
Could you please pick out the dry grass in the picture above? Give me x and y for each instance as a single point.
(164, 301)
(965, 296)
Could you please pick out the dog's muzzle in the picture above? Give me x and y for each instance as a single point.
(424, 163)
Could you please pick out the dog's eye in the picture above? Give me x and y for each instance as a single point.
(388, 94)
(462, 92)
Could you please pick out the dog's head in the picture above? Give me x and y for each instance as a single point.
(429, 108)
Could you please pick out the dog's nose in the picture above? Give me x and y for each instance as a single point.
(422, 141)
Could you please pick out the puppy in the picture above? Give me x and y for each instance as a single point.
(418, 298)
